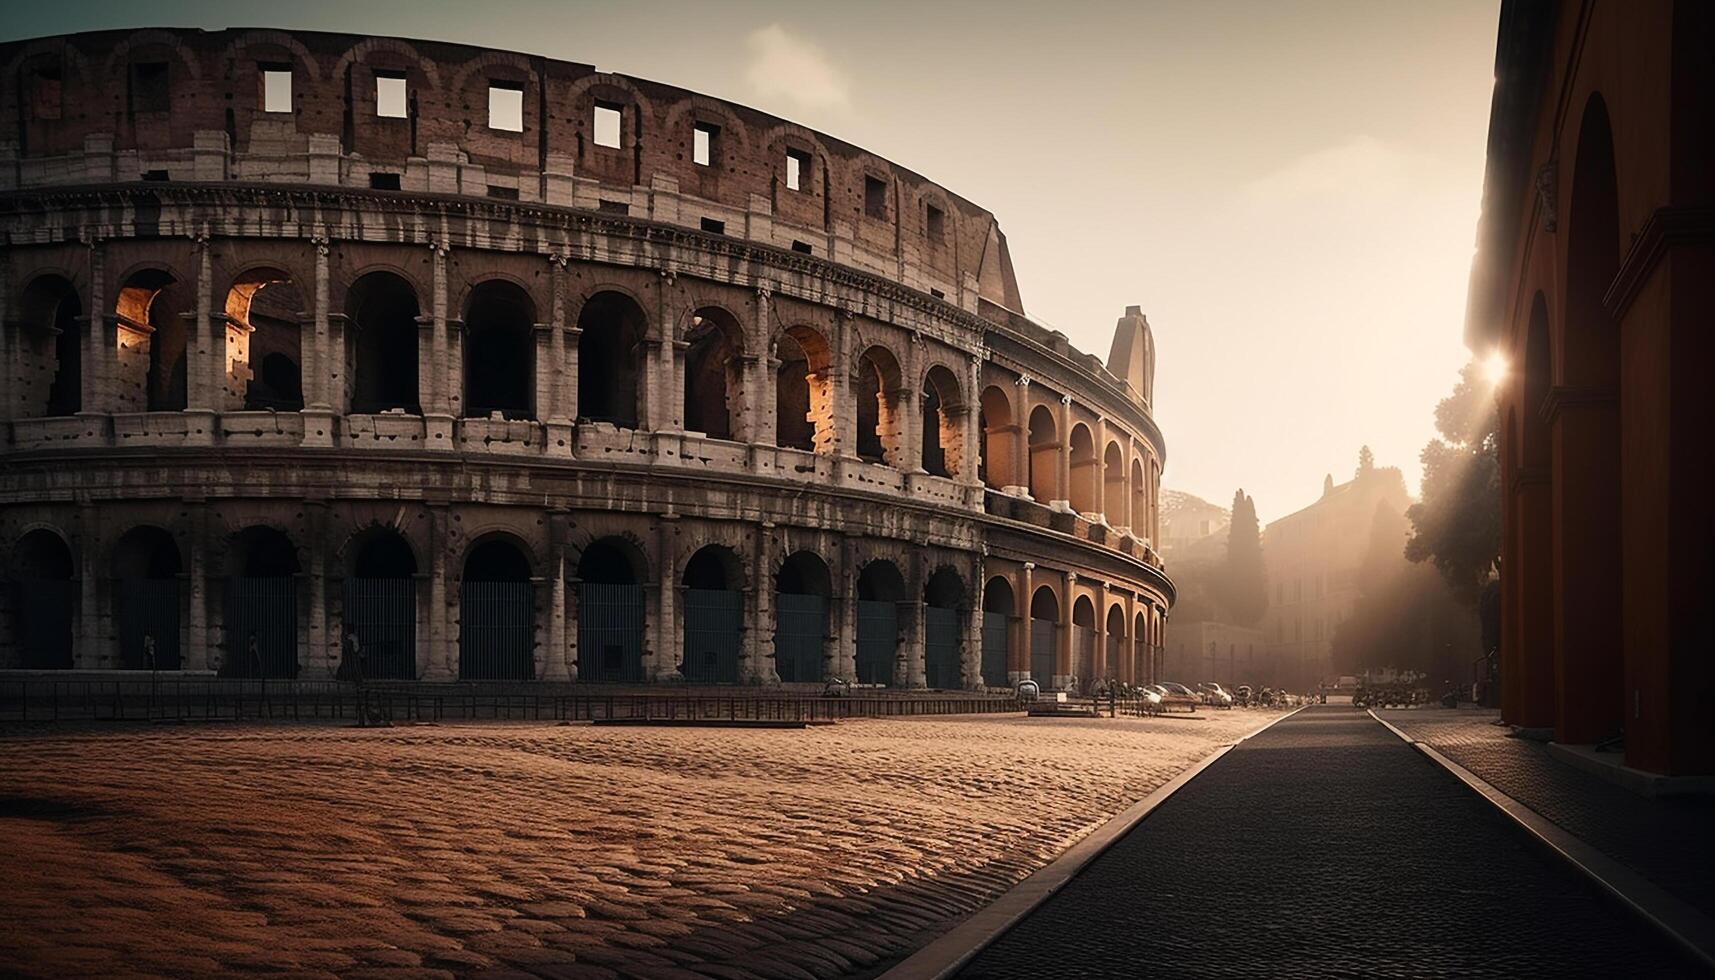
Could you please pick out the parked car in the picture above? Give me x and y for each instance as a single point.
(1214, 695)
(1151, 697)
(1244, 695)
(1176, 696)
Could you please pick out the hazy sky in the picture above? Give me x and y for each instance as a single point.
(1289, 190)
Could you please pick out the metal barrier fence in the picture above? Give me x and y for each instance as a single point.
(182, 699)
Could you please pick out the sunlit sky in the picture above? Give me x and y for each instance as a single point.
(1288, 189)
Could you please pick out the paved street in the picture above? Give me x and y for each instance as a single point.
(532, 849)
(1325, 847)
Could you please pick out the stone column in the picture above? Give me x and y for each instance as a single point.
(911, 402)
(666, 643)
(97, 345)
(1099, 472)
(435, 368)
(971, 648)
(1021, 439)
(762, 374)
(758, 666)
(1063, 456)
(320, 374)
(845, 412)
(970, 433)
(319, 661)
(908, 670)
(1064, 656)
(844, 656)
(90, 650)
(1099, 663)
(438, 661)
(559, 410)
(1019, 655)
(205, 354)
(1127, 667)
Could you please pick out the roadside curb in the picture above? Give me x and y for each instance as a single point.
(951, 951)
(1690, 929)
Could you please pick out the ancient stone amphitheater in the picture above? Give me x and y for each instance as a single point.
(453, 364)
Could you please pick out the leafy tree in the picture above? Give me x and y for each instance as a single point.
(1366, 461)
(1244, 580)
(1457, 524)
(1405, 617)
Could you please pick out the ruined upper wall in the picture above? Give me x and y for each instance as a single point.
(188, 105)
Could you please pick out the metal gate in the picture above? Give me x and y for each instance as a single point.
(43, 617)
(877, 641)
(995, 628)
(266, 608)
(714, 620)
(800, 634)
(383, 614)
(148, 607)
(1116, 653)
(941, 649)
(610, 633)
(1042, 651)
(497, 631)
(1083, 656)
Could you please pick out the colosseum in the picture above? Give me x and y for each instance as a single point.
(494, 367)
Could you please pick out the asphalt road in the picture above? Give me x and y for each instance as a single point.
(1326, 847)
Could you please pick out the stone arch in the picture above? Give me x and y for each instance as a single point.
(999, 607)
(994, 416)
(880, 589)
(1139, 498)
(382, 310)
(693, 108)
(499, 350)
(1083, 658)
(264, 310)
(1081, 444)
(1142, 657)
(359, 54)
(1585, 440)
(380, 605)
(1044, 634)
(497, 609)
(946, 607)
(804, 391)
(944, 419)
(1114, 656)
(49, 351)
(611, 330)
(44, 597)
(713, 584)
(803, 587)
(611, 572)
(270, 38)
(152, 341)
(148, 595)
(1113, 483)
(714, 374)
(260, 607)
(168, 41)
(876, 384)
(1044, 438)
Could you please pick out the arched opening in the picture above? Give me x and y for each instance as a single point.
(998, 427)
(875, 390)
(998, 606)
(1585, 435)
(51, 371)
(610, 354)
(1085, 477)
(1113, 489)
(146, 585)
(262, 605)
(1044, 455)
(1083, 642)
(1113, 657)
(382, 342)
(1044, 628)
(943, 422)
(945, 605)
(1139, 499)
(714, 374)
(264, 353)
(44, 595)
(801, 591)
(1142, 661)
(880, 590)
(152, 343)
(381, 606)
(714, 616)
(497, 614)
(803, 392)
(500, 352)
(611, 573)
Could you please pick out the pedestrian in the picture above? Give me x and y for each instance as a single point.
(253, 655)
(351, 666)
(149, 649)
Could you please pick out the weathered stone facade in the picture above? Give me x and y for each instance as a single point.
(474, 398)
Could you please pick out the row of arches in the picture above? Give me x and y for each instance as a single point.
(1049, 648)
(1032, 453)
(500, 603)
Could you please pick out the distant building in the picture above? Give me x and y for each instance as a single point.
(1189, 523)
(1221, 652)
(1313, 558)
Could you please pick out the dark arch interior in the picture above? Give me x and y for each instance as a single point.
(51, 310)
(265, 552)
(1084, 613)
(276, 350)
(385, 554)
(804, 573)
(608, 562)
(1043, 605)
(609, 349)
(945, 590)
(940, 391)
(496, 561)
(1116, 621)
(880, 581)
(867, 393)
(792, 426)
(711, 373)
(146, 552)
(997, 596)
(500, 352)
(712, 567)
(41, 554)
(148, 299)
(383, 344)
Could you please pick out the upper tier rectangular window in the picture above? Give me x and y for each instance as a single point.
(797, 169)
(607, 120)
(703, 144)
(935, 223)
(506, 106)
(276, 88)
(875, 198)
(149, 92)
(390, 95)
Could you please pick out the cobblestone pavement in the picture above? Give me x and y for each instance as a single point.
(1669, 841)
(558, 851)
(1325, 847)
